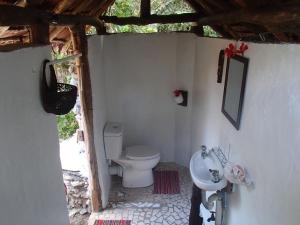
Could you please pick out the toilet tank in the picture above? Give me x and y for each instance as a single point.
(113, 138)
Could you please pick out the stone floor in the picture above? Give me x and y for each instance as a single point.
(144, 208)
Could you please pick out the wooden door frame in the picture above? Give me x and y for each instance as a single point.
(80, 45)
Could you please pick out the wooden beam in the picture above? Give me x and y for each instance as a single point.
(279, 35)
(201, 11)
(62, 5)
(18, 16)
(39, 34)
(56, 31)
(20, 3)
(263, 16)
(100, 6)
(66, 46)
(82, 6)
(13, 38)
(162, 19)
(85, 92)
(34, 2)
(145, 9)
(13, 47)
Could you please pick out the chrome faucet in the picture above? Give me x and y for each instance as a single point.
(215, 175)
(204, 152)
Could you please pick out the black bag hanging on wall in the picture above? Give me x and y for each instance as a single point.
(57, 98)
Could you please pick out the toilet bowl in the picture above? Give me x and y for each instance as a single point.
(137, 161)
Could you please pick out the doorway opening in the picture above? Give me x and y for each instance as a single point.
(74, 161)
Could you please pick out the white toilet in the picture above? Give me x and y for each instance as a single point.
(136, 162)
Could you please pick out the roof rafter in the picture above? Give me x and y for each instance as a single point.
(162, 19)
(16, 16)
(261, 16)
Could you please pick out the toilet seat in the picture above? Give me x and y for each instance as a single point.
(141, 152)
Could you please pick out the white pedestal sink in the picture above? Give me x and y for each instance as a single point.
(200, 171)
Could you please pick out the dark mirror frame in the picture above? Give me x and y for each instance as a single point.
(245, 61)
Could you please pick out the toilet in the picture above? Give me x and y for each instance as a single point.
(135, 163)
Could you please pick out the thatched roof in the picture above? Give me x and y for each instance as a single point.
(249, 20)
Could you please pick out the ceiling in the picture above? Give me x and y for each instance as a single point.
(248, 20)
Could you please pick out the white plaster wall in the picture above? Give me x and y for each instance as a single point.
(185, 67)
(269, 136)
(31, 184)
(95, 56)
(140, 75)
(136, 66)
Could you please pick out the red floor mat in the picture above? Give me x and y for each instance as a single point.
(112, 222)
(166, 182)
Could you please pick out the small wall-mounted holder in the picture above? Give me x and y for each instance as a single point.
(181, 97)
(221, 65)
(237, 174)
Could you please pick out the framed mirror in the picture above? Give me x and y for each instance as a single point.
(234, 89)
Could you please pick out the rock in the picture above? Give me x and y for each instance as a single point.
(77, 184)
(120, 194)
(78, 194)
(73, 212)
(83, 211)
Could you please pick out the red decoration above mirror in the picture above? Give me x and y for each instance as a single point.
(232, 50)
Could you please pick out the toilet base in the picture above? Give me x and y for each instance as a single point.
(137, 178)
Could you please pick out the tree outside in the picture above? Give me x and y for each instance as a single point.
(126, 8)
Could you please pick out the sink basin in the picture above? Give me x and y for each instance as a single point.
(199, 169)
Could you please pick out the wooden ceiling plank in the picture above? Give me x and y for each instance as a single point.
(204, 6)
(55, 32)
(66, 46)
(280, 36)
(82, 6)
(260, 16)
(219, 5)
(103, 7)
(62, 6)
(94, 8)
(206, 11)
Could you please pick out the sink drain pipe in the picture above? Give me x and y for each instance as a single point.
(219, 197)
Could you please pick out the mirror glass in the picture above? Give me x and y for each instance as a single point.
(236, 72)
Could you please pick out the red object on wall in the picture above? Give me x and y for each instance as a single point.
(177, 93)
(232, 50)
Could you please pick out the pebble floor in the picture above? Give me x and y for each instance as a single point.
(143, 207)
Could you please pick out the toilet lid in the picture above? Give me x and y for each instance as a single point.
(140, 152)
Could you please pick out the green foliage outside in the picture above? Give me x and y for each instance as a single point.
(209, 32)
(126, 8)
(66, 125)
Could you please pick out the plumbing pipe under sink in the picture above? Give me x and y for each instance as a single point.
(208, 203)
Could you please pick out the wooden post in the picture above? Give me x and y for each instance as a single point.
(79, 41)
(145, 9)
(39, 33)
